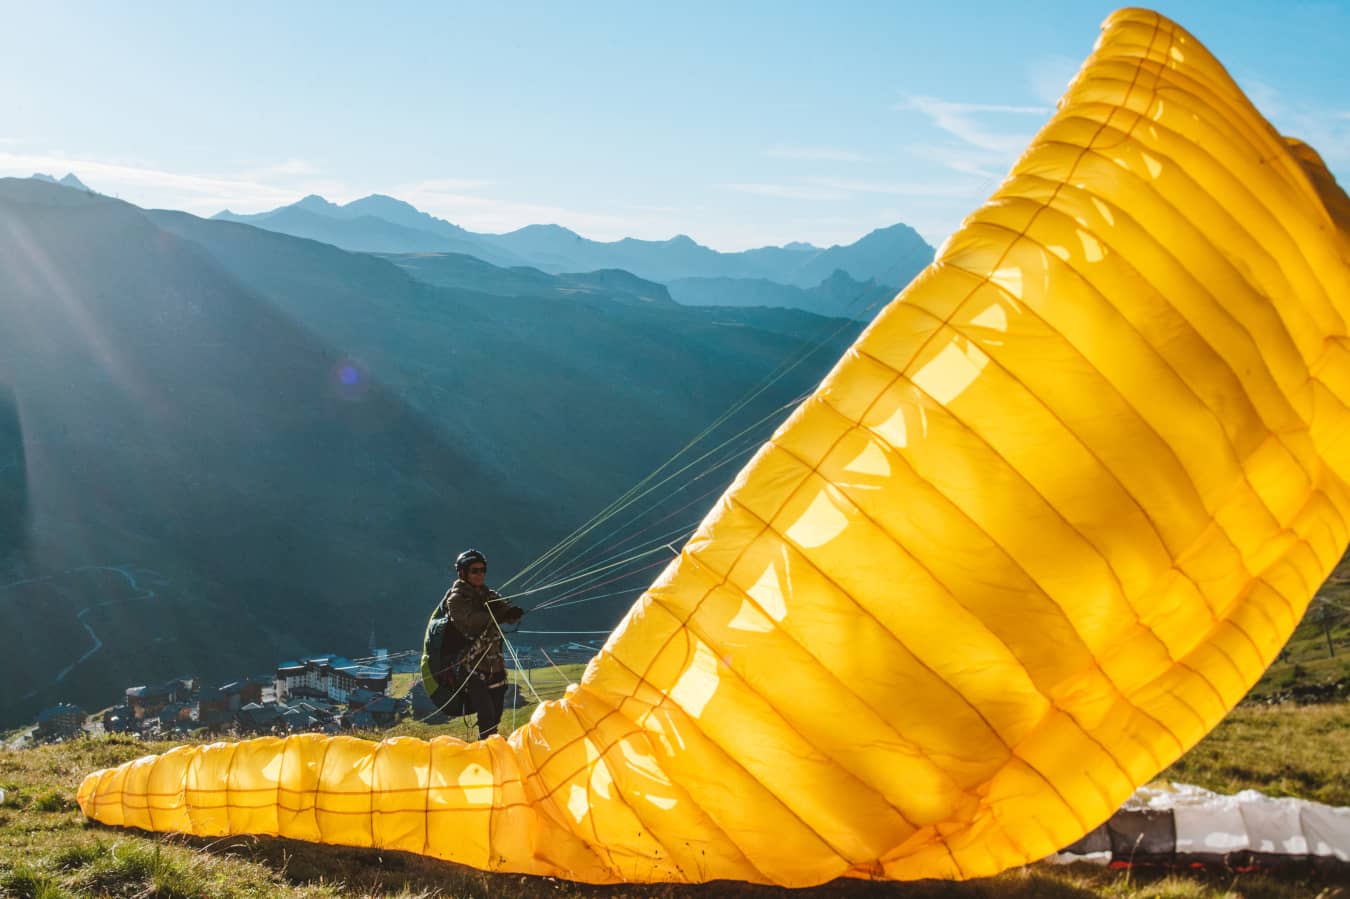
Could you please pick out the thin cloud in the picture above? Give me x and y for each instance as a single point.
(292, 167)
(155, 187)
(492, 215)
(452, 185)
(786, 191)
(835, 188)
(982, 164)
(1326, 130)
(967, 121)
(815, 154)
(897, 188)
(1050, 75)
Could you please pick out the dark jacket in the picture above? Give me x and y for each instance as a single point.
(468, 609)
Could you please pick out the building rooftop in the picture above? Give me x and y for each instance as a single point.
(366, 671)
(61, 709)
(385, 704)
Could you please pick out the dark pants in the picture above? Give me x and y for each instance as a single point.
(487, 702)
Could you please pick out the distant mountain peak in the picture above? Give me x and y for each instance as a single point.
(553, 230)
(68, 181)
(839, 275)
(898, 228)
(383, 200)
(801, 246)
(315, 203)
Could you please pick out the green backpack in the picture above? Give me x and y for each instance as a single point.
(443, 672)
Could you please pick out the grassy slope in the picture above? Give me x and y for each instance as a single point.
(47, 850)
(1307, 668)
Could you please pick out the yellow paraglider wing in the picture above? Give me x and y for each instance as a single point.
(1043, 525)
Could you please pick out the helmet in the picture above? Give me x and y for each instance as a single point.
(469, 555)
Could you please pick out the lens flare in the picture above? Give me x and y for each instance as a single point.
(350, 379)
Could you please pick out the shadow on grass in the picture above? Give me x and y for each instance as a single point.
(378, 872)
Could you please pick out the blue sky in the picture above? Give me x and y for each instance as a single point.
(755, 124)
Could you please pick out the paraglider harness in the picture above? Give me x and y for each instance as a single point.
(445, 650)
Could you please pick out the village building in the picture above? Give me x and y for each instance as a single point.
(149, 701)
(387, 711)
(361, 697)
(119, 720)
(259, 718)
(60, 722)
(331, 676)
(240, 693)
(177, 716)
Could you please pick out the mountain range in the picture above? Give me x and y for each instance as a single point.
(888, 257)
(221, 446)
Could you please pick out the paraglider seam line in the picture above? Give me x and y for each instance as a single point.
(1275, 267)
(808, 741)
(297, 809)
(183, 800)
(1255, 291)
(1010, 749)
(815, 470)
(496, 794)
(374, 791)
(1098, 370)
(635, 730)
(1163, 296)
(669, 704)
(723, 581)
(988, 278)
(571, 709)
(1049, 410)
(1048, 503)
(426, 799)
(1102, 464)
(1219, 99)
(1148, 49)
(1216, 120)
(1003, 550)
(787, 635)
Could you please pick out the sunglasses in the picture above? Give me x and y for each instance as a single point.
(478, 569)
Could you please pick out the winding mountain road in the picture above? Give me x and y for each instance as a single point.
(127, 572)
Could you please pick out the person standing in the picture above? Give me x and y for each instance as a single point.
(477, 612)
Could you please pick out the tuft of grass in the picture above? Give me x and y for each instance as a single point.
(1281, 750)
(401, 682)
(1274, 749)
(76, 856)
(51, 801)
(25, 882)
